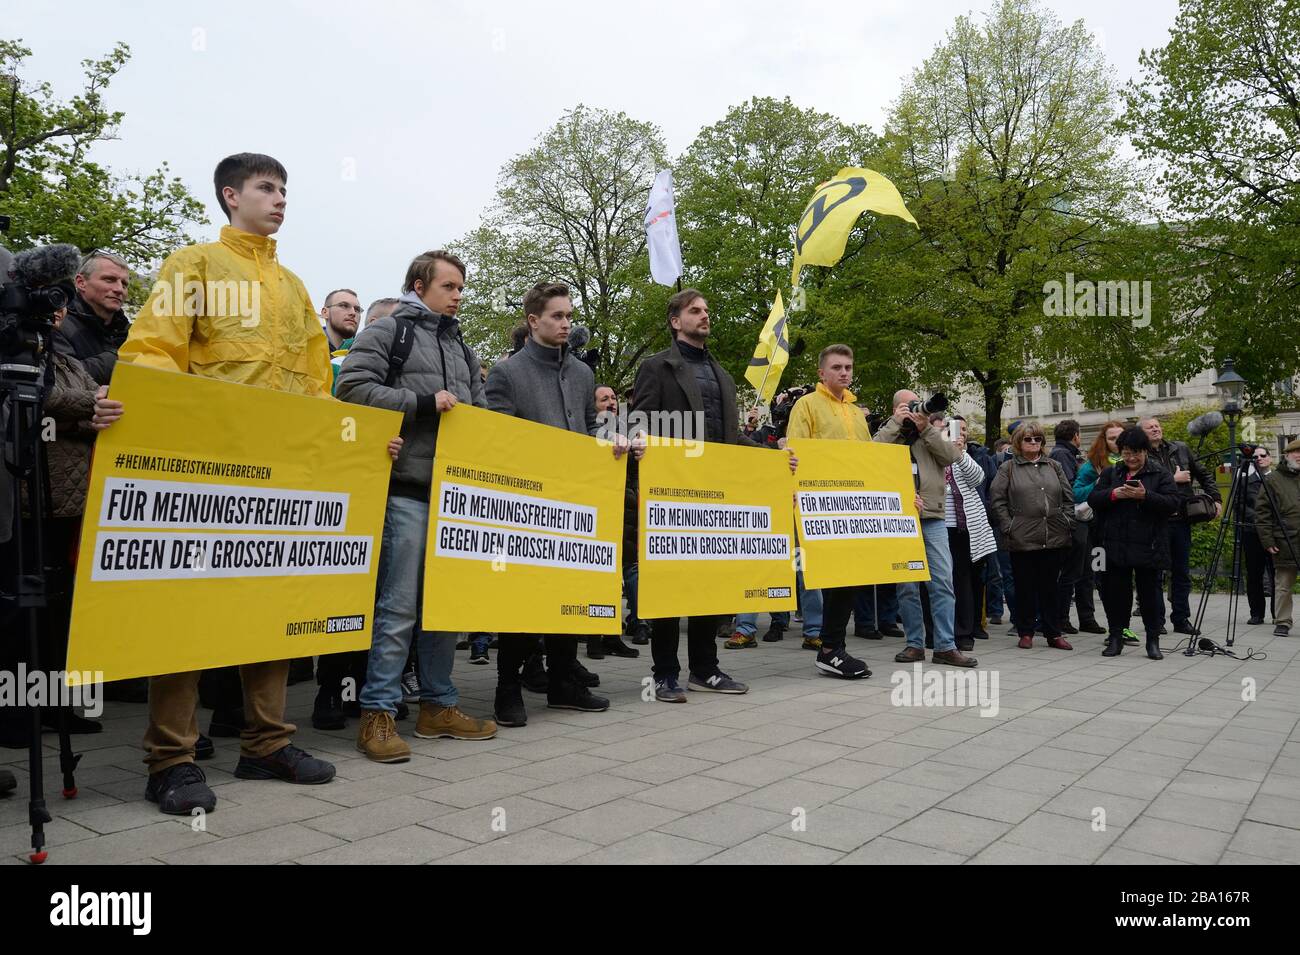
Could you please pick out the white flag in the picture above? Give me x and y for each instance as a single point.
(661, 231)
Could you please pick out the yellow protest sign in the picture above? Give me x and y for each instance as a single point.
(716, 531)
(525, 528)
(227, 524)
(857, 514)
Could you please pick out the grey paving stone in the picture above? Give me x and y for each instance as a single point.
(755, 771)
(886, 851)
(587, 791)
(847, 773)
(1035, 779)
(942, 776)
(690, 793)
(1270, 842)
(1079, 802)
(837, 827)
(994, 802)
(410, 845)
(1200, 811)
(561, 768)
(662, 768)
(1009, 853)
(1064, 835)
(373, 819)
(1215, 787)
(1117, 855)
(1175, 840)
(650, 848)
(794, 793)
(530, 847)
(950, 831)
(774, 850)
(495, 820)
(613, 821)
(727, 824)
(1124, 782)
(264, 847)
(893, 799)
(475, 792)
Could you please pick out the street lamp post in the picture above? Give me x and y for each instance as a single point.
(1231, 385)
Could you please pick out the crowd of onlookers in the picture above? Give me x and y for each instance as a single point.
(1014, 533)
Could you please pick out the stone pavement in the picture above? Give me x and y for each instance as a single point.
(803, 769)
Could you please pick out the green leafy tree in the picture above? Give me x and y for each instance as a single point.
(1219, 108)
(1003, 146)
(741, 187)
(54, 192)
(572, 210)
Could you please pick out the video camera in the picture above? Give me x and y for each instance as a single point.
(34, 284)
(782, 404)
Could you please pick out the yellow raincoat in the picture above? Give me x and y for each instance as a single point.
(822, 415)
(229, 310)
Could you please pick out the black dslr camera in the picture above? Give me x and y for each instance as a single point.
(933, 405)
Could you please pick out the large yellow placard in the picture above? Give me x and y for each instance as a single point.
(525, 528)
(857, 514)
(227, 524)
(716, 531)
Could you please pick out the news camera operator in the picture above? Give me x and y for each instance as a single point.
(931, 453)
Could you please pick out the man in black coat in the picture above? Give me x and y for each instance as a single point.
(1177, 458)
(1076, 575)
(685, 379)
(95, 326)
(1134, 501)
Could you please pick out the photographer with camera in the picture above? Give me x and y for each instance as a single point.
(1277, 521)
(931, 453)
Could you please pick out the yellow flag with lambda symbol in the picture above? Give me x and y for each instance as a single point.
(772, 354)
(823, 229)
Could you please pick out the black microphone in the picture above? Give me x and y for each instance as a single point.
(47, 265)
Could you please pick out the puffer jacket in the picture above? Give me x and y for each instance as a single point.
(1135, 533)
(439, 361)
(1284, 483)
(1033, 504)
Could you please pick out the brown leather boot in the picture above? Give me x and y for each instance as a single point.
(377, 738)
(910, 655)
(954, 658)
(1059, 643)
(448, 722)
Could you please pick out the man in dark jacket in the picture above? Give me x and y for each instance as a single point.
(1076, 574)
(1134, 500)
(1259, 562)
(1277, 517)
(96, 326)
(439, 372)
(686, 380)
(546, 383)
(1177, 458)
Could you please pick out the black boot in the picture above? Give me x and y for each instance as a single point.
(1114, 644)
(534, 676)
(327, 713)
(1153, 648)
(574, 696)
(595, 648)
(615, 647)
(582, 676)
(509, 706)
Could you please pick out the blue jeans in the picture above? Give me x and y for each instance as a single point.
(875, 606)
(943, 605)
(810, 603)
(397, 611)
(1007, 590)
(630, 577)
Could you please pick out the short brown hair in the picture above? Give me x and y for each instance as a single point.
(679, 302)
(336, 292)
(1027, 429)
(424, 265)
(829, 350)
(234, 171)
(535, 298)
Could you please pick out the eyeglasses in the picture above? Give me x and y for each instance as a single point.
(1260, 457)
(1027, 439)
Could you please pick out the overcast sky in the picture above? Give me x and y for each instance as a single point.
(393, 119)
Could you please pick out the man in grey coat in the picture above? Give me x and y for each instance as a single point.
(414, 361)
(544, 382)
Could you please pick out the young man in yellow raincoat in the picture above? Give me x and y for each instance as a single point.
(229, 310)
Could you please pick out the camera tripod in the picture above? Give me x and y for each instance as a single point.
(22, 402)
(1234, 516)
